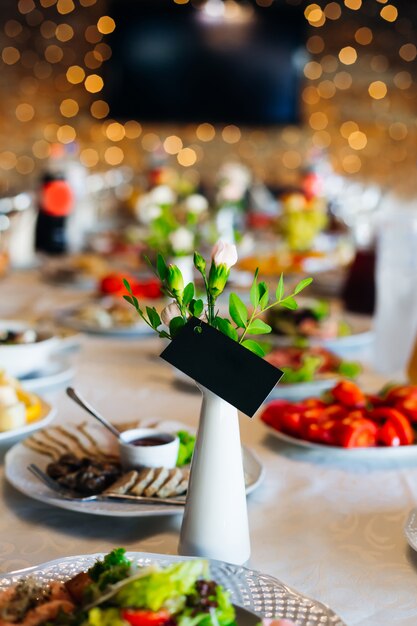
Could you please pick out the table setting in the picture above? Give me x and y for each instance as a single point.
(208, 320)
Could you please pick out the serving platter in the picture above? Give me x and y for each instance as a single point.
(372, 453)
(259, 593)
(47, 415)
(69, 318)
(20, 456)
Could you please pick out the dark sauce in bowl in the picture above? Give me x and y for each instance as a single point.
(151, 440)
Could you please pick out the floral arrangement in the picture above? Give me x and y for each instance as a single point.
(171, 220)
(242, 324)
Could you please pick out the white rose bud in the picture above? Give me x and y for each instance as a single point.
(163, 195)
(196, 203)
(181, 240)
(169, 312)
(224, 253)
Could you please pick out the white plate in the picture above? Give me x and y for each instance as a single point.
(47, 415)
(56, 373)
(410, 529)
(299, 391)
(361, 337)
(136, 330)
(20, 456)
(256, 592)
(372, 453)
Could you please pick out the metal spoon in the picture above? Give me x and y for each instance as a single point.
(74, 395)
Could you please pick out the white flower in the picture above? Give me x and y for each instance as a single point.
(224, 253)
(169, 312)
(235, 173)
(163, 195)
(181, 240)
(231, 192)
(196, 203)
(146, 210)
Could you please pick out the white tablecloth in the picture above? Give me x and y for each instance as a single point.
(332, 530)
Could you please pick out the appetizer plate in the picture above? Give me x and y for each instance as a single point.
(410, 529)
(20, 456)
(69, 318)
(361, 337)
(47, 415)
(382, 453)
(56, 373)
(249, 589)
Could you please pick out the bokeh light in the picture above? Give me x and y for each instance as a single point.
(377, 89)
(205, 132)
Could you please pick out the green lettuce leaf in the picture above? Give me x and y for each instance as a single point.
(104, 617)
(166, 588)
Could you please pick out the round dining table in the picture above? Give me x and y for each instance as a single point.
(329, 526)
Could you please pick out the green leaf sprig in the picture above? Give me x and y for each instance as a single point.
(244, 323)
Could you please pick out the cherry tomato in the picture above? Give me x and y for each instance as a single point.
(408, 406)
(387, 435)
(356, 433)
(348, 394)
(113, 284)
(144, 617)
(291, 421)
(399, 421)
(273, 412)
(400, 393)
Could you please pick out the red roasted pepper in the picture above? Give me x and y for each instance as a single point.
(144, 617)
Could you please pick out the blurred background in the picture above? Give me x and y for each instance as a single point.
(293, 123)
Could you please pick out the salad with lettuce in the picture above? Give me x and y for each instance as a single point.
(117, 592)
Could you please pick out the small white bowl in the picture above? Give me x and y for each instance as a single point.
(134, 456)
(25, 358)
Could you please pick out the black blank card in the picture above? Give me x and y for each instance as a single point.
(222, 365)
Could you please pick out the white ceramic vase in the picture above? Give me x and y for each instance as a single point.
(186, 267)
(215, 523)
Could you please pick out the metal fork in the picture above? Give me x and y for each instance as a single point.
(67, 494)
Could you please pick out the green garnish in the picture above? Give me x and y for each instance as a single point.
(303, 374)
(186, 449)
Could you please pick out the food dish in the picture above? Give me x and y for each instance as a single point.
(81, 270)
(321, 323)
(106, 317)
(46, 415)
(305, 365)
(252, 590)
(347, 420)
(20, 357)
(20, 456)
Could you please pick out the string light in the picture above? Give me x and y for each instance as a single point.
(205, 132)
(377, 89)
(133, 129)
(186, 157)
(114, 155)
(348, 55)
(173, 144)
